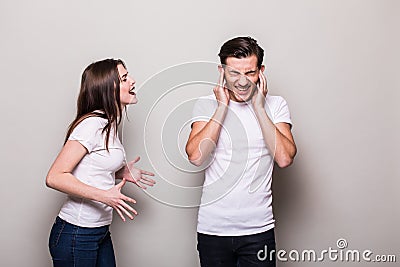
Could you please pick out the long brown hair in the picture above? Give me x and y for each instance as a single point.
(99, 92)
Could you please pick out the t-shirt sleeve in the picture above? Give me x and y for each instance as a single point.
(203, 109)
(87, 133)
(281, 111)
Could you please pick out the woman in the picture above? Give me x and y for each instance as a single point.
(86, 168)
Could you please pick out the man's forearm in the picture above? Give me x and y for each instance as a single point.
(280, 143)
(202, 143)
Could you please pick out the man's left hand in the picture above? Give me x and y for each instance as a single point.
(258, 99)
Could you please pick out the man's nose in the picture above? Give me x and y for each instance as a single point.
(243, 81)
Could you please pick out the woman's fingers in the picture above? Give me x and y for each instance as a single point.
(123, 208)
(120, 213)
(128, 199)
(121, 184)
(119, 202)
(140, 185)
(136, 159)
(147, 173)
(147, 181)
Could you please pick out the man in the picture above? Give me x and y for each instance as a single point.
(239, 132)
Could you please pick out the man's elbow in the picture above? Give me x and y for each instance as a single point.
(284, 162)
(50, 181)
(194, 156)
(195, 160)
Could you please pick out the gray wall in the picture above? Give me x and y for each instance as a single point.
(335, 62)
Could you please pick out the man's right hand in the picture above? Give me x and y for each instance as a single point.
(221, 92)
(204, 135)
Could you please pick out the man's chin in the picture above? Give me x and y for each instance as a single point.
(243, 97)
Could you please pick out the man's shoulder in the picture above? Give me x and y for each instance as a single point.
(274, 98)
(275, 101)
(206, 100)
(207, 97)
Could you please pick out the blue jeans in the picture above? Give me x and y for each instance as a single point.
(235, 251)
(72, 245)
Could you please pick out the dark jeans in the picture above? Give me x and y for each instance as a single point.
(235, 251)
(71, 245)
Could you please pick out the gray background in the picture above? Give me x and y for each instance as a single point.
(335, 62)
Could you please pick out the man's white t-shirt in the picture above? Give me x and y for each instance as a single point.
(237, 197)
(97, 168)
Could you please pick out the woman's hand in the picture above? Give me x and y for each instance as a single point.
(115, 199)
(136, 175)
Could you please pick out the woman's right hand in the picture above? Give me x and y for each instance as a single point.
(115, 199)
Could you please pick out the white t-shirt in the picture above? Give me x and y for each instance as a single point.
(237, 198)
(97, 168)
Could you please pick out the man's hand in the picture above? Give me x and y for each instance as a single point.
(258, 99)
(221, 93)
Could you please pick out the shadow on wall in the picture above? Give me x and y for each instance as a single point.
(289, 188)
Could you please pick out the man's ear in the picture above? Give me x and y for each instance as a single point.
(220, 67)
(262, 68)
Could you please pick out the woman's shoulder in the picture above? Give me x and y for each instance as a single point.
(91, 123)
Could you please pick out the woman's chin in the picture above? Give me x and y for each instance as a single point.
(134, 100)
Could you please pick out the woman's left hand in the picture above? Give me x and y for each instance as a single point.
(136, 175)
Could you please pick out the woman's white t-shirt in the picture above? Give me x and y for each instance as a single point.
(97, 168)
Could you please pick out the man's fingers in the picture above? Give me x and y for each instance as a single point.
(262, 84)
(221, 77)
(264, 79)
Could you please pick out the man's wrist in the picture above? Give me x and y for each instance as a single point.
(258, 109)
